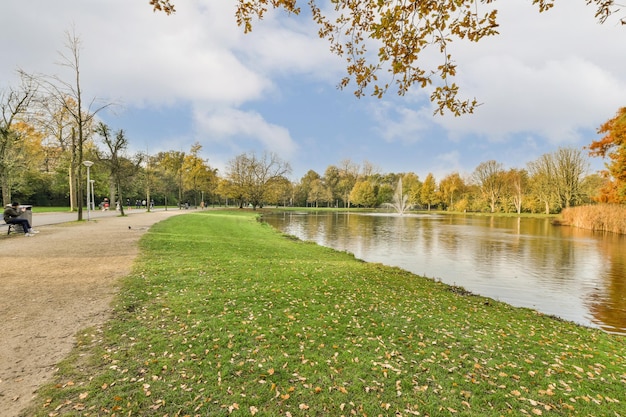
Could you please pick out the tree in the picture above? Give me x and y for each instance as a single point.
(428, 194)
(490, 178)
(239, 178)
(570, 169)
(363, 194)
(411, 186)
(592, 188)
(168, 168)
(319, 193)
(450, 188)
(198, 177)
(54, 122)
(280, 192)
(516, 185)
(252, 178)
(348, 175)
(557, 178)
(613, 146)
(303, 188)
(404, 33)
(121, 169)
(14, 104)
(331, 179)
(69, 97)
(541, 179)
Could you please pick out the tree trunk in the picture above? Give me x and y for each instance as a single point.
(6, 191)
(72, 181)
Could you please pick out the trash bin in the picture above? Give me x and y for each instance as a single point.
(26, 214)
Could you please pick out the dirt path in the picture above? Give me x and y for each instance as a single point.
(51, 286)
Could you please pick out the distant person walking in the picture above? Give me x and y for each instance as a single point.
(11, 216)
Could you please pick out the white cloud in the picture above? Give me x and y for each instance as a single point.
(223, 123)
(546, 80)
(282, 45)
(553, 79)
(555, 100)
(141, 57)
(398, 123)
(445, 164)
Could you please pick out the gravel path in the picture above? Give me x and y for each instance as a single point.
(53, 285)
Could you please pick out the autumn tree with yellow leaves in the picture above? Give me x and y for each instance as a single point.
(402, 32)
(14, 105)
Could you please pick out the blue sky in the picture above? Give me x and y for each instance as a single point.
(548, 80)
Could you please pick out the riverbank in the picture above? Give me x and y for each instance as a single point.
(224, 315)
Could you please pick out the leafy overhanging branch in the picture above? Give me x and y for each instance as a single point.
(404, 29)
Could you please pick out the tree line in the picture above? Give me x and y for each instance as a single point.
(39, 173)
(48, 129)
(42, 155)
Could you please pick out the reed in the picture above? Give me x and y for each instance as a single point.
(598, 217)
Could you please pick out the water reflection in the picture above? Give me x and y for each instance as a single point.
(571, 273)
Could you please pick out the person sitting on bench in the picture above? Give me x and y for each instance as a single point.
(11, 216)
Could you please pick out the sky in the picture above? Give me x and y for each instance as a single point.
(548, 80)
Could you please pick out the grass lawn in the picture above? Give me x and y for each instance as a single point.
(223, 315)
(56, 209)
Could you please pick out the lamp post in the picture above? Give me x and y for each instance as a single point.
(88, 164)
(93, 199)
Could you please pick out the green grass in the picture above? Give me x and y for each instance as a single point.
(37, 209)
(225, 316)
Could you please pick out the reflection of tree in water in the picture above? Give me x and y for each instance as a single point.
(554, 253)
(608, 304)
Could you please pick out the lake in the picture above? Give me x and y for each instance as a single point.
(570, 273)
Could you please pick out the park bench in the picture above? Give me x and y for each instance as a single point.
(11, 227)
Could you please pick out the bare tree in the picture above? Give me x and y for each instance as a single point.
(557, 177)
(517, 182)
(68, 96)
(251, 178)
(490, 178)
(570, 167)
(121, 169)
